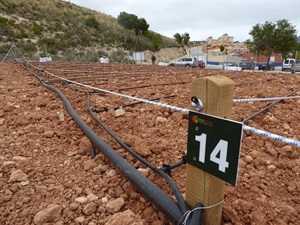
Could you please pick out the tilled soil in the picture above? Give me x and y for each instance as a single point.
(48, 174)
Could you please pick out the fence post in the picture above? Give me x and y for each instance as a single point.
(216, 94)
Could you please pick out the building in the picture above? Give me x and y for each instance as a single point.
(225, 38)
(213, 45)
(261, 58)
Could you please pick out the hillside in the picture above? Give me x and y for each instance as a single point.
(67, 31)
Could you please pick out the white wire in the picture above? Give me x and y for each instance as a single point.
(263, 99)
(187, 214)
(175, 108)
(276, 137)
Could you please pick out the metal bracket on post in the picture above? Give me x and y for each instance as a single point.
(196, 103)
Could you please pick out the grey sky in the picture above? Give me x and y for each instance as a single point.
(202, 18)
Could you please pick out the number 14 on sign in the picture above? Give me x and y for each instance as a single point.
(218, 155)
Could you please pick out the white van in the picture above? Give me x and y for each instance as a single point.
(287, 63)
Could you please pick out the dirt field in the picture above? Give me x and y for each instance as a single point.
(47, 174)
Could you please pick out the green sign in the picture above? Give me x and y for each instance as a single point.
(214, 145)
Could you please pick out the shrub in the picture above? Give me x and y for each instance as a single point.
(27, 48)
(91, 21)
(101, 53)
(21, 34)
(3, 21)
(37, 29)
(52, 50)
(4, 48)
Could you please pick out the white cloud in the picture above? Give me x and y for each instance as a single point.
(202, 18)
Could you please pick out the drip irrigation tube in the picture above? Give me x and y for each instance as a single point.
(266, 108)
(115, 108)
(196, 216)
(162, 173)
(131, 104)
(159, 198)
(171, 107)
(152, 85)
(152, 192)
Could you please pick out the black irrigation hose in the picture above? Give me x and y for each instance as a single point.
(131, 104)
(247, 83)
(176, 192)
(196, 216)
(152, 192)
(163, 172)
(266, 108)
(240, 76)
(78, 79)
(115, 108)
(160, 199)
(152, 85)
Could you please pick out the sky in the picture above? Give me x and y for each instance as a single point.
(202, 18)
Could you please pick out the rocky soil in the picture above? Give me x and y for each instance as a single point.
(47, 174)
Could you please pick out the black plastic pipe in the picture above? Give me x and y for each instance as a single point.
(131, 104)
(160, 199)
(181, 202)
(196, 215)
(152, 85)
(266, 108)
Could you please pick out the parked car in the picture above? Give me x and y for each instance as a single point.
(295, 67)
(247, 65)
(233, 68)
(201, 64)
(287, 64)
(229, 64)
(186, 62)
(265, 66)
(237, 53)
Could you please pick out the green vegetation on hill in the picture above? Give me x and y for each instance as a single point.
(68, 31)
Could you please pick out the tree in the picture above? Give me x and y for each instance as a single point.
(269, 38)
(178, 38)
(128, 21)
(297, 51)
(186, 38)
(141, 25)
(132, 22)
(222, 48)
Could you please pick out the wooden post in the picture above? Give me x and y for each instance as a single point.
(216, 94)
